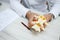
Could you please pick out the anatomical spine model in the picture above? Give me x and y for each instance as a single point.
(39, 23)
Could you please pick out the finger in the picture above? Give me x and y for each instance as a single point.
(30, 23)
(48, 17)
(44, 25)
(35, 18)
(42, 28)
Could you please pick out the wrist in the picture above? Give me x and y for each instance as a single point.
(52, 15)
(28, 15)
(49, 17)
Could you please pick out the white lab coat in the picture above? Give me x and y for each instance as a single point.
(39, 5)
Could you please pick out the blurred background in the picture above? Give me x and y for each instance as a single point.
(16, 31)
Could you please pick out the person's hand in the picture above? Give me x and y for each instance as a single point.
(49, 17)
(32, 16)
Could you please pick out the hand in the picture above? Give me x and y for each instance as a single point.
(32, 16)
(49, 17)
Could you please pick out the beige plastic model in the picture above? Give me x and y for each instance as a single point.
(39, 23)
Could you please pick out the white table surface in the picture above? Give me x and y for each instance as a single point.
(16, 31)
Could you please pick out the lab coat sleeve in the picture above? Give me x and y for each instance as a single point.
(18, 7)
(56, 9)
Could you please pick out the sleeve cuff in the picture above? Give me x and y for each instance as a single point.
(55, 14)
(25, 11)
(55, 10)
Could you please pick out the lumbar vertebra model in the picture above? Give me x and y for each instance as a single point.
(39, 23)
